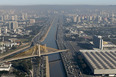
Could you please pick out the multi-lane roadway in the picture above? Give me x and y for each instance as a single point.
(38, 64)
(69, 60)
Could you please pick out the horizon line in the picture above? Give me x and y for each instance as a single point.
(58, 4)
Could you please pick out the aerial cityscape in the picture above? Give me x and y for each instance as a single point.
(58, 40)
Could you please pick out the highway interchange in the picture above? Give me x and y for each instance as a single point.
(68, 58)
(71, 67)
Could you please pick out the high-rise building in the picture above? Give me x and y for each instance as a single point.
(5, 17)
(98, 42)
(99, 18)
(13, 18)
(0, 30)
(2, 18)
(75, 18)
(24, 16)
(79, 19)
(32, 21)
(83, 17)
(90, 18)
(13, 25)
(5, 29)
(94, 17)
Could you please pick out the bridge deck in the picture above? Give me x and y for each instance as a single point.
(35, 51)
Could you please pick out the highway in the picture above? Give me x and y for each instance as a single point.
(14, 52)
(18, 58)
(68, 58)
(38, 64)
(55, 62)
(37, 39)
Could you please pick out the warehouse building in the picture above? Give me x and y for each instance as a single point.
(101, 61)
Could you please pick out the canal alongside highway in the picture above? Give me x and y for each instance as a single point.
(55, 63)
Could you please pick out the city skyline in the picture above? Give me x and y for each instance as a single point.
(58, 2)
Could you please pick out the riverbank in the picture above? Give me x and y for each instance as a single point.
(55, 63)
(47, 61)
(61, 46)
(41, 37)
(47, 67)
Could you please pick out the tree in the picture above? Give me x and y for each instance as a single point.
(13, 47)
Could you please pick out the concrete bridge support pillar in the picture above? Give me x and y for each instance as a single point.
(39, 53)
(45, 48)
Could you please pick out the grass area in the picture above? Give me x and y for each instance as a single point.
(14, 49)
(42, 48)
(24, 40)
(26, 53)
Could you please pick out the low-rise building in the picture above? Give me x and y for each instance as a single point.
(5, 66)
(101, 61)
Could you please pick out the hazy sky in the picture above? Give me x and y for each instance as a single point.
(32, 2)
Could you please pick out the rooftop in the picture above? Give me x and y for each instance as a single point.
(101, 60)
(5, 66)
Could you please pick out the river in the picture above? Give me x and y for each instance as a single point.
(55, 63)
